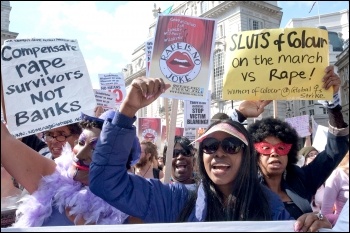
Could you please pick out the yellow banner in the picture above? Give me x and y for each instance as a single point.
(276, 64)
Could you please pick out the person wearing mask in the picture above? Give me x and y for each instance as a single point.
(56, 138)
(229, 189)
(59, 193)
(276, 145)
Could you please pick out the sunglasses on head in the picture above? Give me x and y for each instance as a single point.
(266, 148)
(177, 152)
(230, 145)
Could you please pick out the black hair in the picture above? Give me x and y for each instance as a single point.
(220, 116)
(34, 142)
(164, 153)
(75, 128)
(247, 201)
(279, 129)
(185, 143)
(87, 124)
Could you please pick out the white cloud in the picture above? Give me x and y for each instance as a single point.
(121, 31)
(106, 37)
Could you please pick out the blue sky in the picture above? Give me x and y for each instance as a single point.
(108, 32)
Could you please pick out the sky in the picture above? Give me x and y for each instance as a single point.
(109, 32)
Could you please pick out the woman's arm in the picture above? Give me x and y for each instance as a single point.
(147, 199)
(332, 188)
(23, 163)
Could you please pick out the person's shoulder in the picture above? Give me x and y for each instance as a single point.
(339, 173)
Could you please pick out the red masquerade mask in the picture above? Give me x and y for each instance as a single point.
(266, 148)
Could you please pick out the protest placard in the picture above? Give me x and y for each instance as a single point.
(45, 84)
(276, 64)
(222, 226)
(149, 128)
(115, 83)
(320, 140)
(196, 114)
(314, 127)
(179, 131)
(300, 124)
(190, 133)
(107, 99)
(182, 55)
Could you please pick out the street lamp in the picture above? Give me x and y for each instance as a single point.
(288, 111)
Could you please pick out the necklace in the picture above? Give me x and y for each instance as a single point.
(147, 170)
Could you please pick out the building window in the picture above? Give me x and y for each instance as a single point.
(255, 24)
(312, 112)
(219, 32)
(204, 6)
(311, 102)
(140, 63)
(303, 113)
(303, 103)
(218, 74)
(325, 110)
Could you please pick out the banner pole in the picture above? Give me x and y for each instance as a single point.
(171, 136)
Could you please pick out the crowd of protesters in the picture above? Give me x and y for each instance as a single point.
(98, 172)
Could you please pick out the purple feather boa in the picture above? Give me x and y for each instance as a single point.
(61, 190)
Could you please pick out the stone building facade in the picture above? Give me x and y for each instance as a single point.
(234, 16)
(6, 34)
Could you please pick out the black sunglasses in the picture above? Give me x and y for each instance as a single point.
(230, 145)
(177, 152)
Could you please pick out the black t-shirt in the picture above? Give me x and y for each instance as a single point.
(34, 142)
(293, 209)
(156, 173)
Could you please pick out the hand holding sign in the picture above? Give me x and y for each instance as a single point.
(253, 108)
(143, 92)
(276, 64)
(331, 79)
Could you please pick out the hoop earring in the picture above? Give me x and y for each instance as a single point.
(260, 175)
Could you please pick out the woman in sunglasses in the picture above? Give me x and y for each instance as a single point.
(183, 162)
(229, 189)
